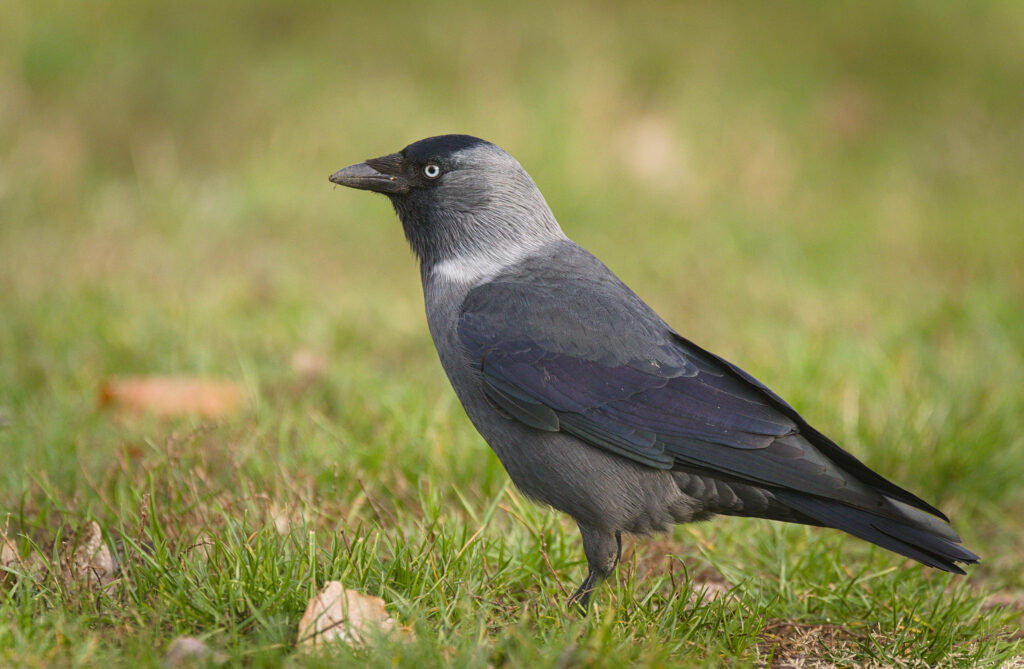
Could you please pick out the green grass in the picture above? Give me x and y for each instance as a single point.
(827, 194)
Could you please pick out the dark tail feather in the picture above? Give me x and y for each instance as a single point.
(906, 537)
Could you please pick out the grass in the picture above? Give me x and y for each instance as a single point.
(827, 195)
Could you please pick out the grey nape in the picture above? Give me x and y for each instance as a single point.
(593, 403)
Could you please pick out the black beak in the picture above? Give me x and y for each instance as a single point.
(381, 175)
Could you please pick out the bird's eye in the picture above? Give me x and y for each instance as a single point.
(431, 171)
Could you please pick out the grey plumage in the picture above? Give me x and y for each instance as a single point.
(593, 403)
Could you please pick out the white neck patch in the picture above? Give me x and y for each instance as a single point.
(471, 269)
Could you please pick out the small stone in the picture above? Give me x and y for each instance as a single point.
(187, 651)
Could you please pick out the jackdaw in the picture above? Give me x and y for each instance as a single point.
(594, 405)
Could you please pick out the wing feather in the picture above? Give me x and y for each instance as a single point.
(570, 347)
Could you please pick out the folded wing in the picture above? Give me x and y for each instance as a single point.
(566, 346)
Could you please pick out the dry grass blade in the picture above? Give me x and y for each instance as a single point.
(796, 646)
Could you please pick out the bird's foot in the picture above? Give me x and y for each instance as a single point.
(581, 598)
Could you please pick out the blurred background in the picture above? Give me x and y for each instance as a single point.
(829, 194)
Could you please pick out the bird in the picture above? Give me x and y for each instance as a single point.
(594, 405)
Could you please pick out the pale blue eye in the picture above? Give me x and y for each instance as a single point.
(431, 171)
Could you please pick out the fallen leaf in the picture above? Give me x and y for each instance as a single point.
(8, 551)
(188, 651)
(202, 547)
(31, 567)
(92, 560)
(339, 614)
(172, 395)
(286, 518)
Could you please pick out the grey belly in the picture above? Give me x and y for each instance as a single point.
(598, 488)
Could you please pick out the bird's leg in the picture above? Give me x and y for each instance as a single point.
(581, 597)
(603, 549)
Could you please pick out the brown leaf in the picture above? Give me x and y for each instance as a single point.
(339, 614)
(287, 518)
(92, 560)
(8, 551)
(202, 548)
(167, 396)
(10, 558)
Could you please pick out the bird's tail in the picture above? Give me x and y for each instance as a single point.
(910, 532)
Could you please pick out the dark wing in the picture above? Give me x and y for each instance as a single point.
(562, 344)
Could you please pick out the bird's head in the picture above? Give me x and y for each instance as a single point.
(461, 201)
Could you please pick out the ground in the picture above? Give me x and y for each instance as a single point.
(828, 196)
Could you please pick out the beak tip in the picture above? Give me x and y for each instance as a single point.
(366, 177)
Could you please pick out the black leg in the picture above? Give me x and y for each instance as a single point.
(581, 598)
(603, 549)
